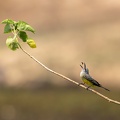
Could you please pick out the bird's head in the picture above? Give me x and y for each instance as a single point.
(83, 66)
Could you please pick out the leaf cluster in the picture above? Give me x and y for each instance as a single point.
(19, 30)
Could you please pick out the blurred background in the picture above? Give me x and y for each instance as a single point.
(67, 33)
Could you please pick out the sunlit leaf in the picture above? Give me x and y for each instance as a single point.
(8, 21)
(23, 26)
(31, 43)
(12, 43)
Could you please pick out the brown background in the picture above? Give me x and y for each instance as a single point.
(67, 33)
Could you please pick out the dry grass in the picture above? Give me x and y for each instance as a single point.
(52, 104)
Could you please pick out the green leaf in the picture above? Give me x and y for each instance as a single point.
(12, 43)
(8, 21)
(23, 26)
(10, 25)
(31, 43)
(7, 28)
(23, 36)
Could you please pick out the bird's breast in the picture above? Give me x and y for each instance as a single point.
(82, 74)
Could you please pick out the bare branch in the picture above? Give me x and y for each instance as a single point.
(66, 78)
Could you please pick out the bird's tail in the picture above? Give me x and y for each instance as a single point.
(105, 88)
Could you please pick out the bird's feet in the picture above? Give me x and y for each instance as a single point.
(81, 84)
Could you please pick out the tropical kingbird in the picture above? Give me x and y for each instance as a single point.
(87, 79)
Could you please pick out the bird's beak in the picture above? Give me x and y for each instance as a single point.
(84, 65)
(81, 66)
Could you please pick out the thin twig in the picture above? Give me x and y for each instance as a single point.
(60, 75)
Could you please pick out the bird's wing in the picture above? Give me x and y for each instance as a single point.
(87, 70)
(90, 79)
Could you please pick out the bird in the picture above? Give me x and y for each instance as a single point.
(87, 79)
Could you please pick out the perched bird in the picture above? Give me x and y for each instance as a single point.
(87, 79)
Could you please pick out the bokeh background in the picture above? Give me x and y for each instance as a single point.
(67, 33)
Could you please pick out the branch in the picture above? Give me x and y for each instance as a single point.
(66, 78)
